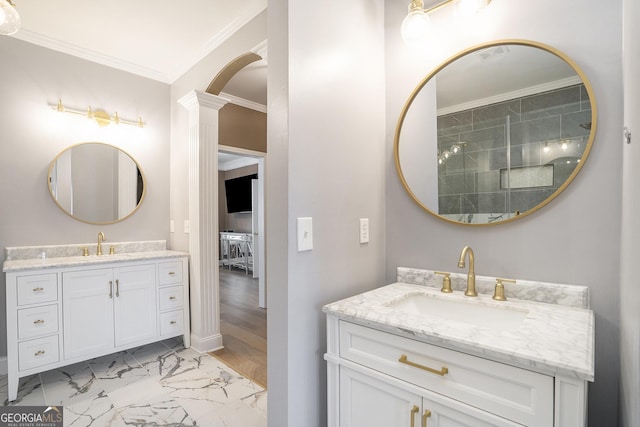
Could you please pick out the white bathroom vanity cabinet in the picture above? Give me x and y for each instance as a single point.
(390, 366)
(69, 309)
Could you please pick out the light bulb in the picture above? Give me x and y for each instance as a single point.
(546, 148)
(455, 148)
(415, 24)
(9, 18)
(564, 146)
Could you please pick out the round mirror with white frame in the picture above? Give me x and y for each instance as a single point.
(96, 183)
(495, 132)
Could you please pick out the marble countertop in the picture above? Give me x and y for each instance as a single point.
(77, 261)
(553, 339)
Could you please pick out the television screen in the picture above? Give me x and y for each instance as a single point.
(238, 193)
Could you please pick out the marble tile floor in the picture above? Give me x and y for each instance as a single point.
(160, 384)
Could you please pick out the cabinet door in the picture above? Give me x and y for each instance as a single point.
(369, 402)
(88, 312)
(135, 304)
(440, 411)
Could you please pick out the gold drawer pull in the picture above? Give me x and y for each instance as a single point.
(172, 273)
(414, 411)
(172, 297)
(39, 353)
(427, 414)
(173, 322)
(35, 322)
(442, 372)
(38, 289)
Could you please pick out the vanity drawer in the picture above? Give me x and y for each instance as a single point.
(37, 321)
(170, 272)
(170, 298)
(171, 323)
(517, 394)
(37, 288)
(38, 352)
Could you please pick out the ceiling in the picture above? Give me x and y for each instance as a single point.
(158, 39)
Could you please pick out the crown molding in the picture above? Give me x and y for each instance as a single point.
(508, 96)
(215, 42)
(243, 102)
(89, 55)
(261, 49)
(168, 76)
(237, 163)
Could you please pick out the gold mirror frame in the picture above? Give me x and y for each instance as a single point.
(468, 51)
(116, 150)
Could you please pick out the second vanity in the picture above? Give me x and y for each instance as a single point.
(64, 308)
(407, 354)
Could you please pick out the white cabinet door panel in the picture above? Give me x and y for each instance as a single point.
(451, 413)
(368, 402)
(135, 311)
(88, 312)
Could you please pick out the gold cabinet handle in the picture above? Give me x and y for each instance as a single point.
(173, 322)
(414, 411)
(442, 372)
(110, 289)
(117, 288)
(36, 322)
(39, 353)
(38, 289)
(172, 297)
(427, 414)
(172, 273)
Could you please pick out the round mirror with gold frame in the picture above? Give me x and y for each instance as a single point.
(495, 132)
(96, 183)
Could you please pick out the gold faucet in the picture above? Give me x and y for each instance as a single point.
(471, 275)
(101, 239)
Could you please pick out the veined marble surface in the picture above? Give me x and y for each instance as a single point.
(72, 250)
(31, 257)
(553, 339)
(161, 384)
(550, 293)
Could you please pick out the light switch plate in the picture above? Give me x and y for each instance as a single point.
(187, 227)
(305, 234)
(172, 226)
(364, 230)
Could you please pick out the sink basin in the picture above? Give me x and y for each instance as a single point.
(472, 312)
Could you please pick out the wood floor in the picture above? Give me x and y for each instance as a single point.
(243, 325)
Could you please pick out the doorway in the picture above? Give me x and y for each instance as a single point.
(242, 284)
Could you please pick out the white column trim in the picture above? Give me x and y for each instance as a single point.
(203, 218)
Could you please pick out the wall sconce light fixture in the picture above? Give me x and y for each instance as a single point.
(416, 24)
(100, 116)
(9, 18)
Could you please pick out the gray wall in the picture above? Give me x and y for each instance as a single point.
(576, 238)
(325, 161)
(629, 289)
(32, 135)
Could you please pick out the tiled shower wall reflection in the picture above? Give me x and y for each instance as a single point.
(522, 132)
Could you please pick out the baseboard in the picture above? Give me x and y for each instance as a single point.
(206, 344)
